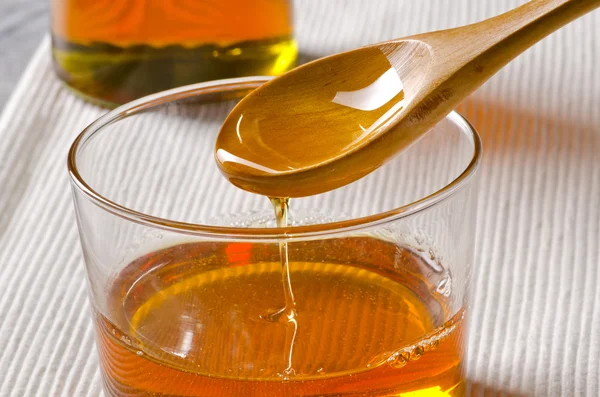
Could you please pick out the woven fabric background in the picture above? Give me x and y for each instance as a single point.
(535, 317)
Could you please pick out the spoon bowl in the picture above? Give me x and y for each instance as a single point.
(273, 141)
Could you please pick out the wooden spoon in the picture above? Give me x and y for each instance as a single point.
(329, 122)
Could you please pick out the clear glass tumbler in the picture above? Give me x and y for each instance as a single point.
(185, 276)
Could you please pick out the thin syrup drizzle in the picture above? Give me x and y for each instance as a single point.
(288, 312)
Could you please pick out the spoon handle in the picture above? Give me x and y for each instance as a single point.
(502, 38)
(536, 19)
(467, 56)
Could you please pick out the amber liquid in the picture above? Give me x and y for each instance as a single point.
(197, 320)
(113, 51)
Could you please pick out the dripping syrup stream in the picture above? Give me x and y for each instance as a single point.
(281, 207)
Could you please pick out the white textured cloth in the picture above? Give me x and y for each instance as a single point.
(535, 318)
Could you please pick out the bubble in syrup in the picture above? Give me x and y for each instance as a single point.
(400, 359)
(417, 353)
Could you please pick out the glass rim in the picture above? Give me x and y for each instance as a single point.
(230, 232)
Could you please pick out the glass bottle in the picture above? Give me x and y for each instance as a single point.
(114, 51)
